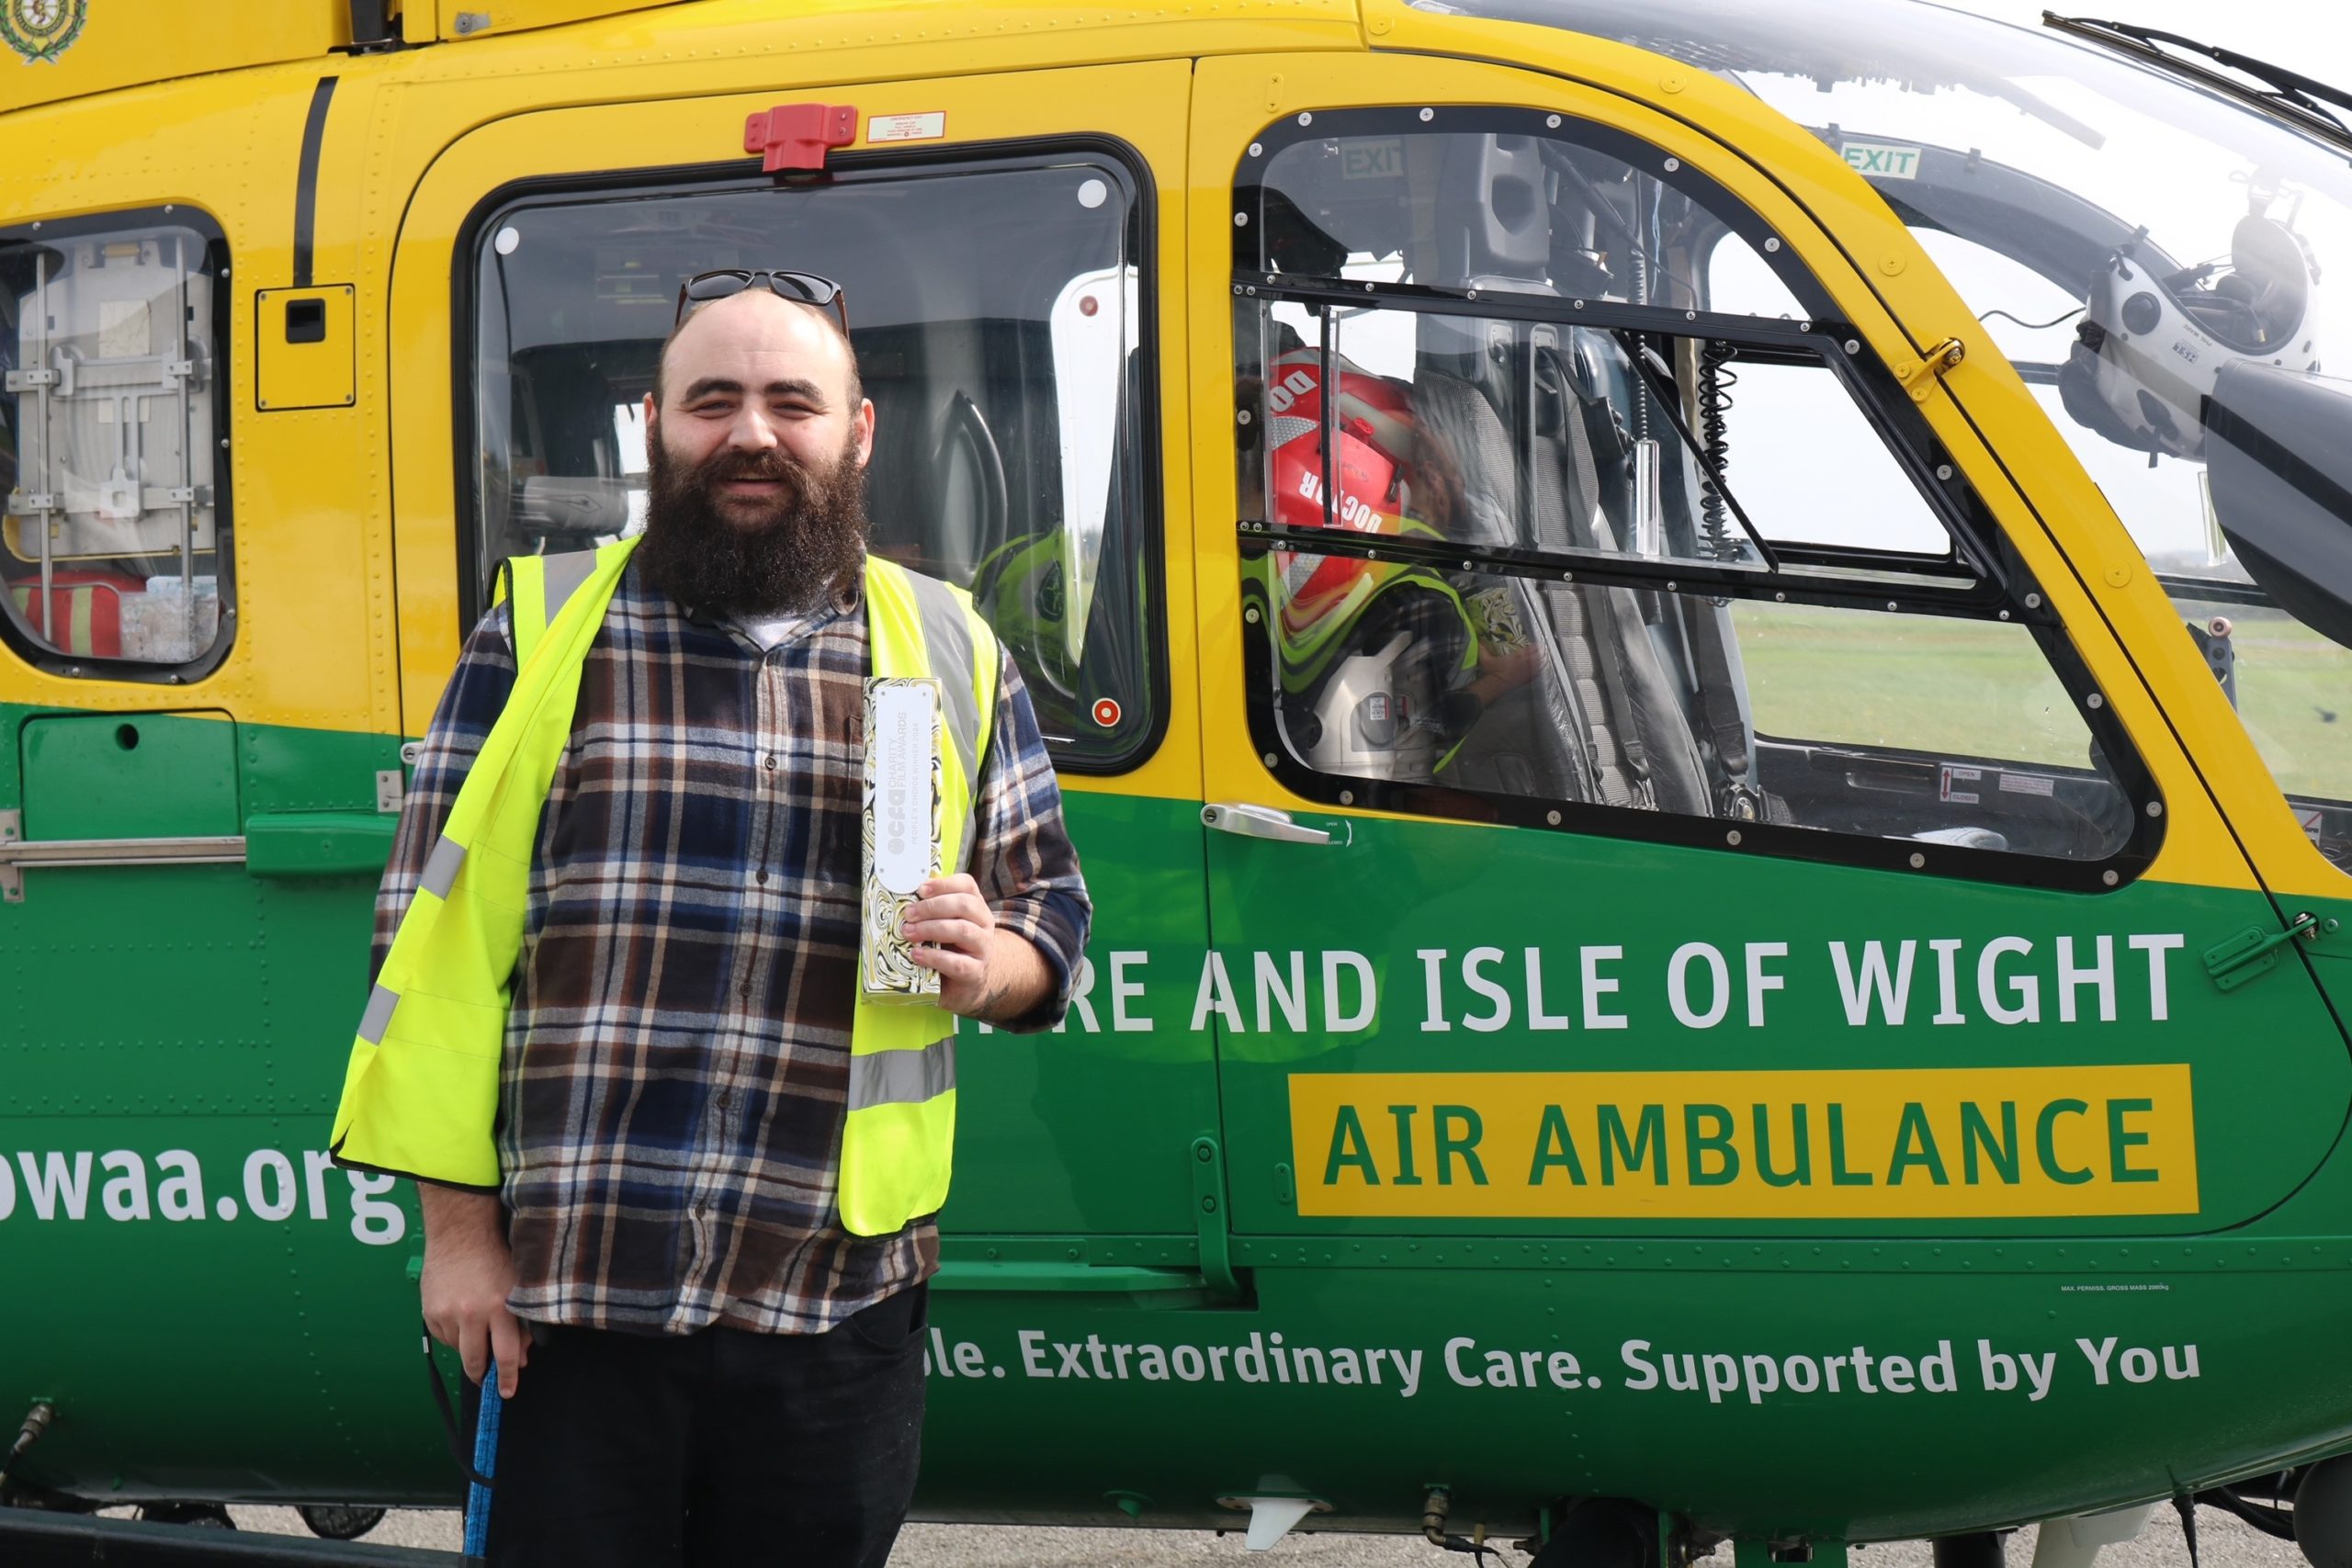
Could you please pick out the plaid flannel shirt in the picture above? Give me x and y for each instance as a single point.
(676, 1065)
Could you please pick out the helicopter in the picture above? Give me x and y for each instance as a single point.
(1695, 653)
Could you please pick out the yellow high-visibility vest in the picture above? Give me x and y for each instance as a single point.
(419, 1097)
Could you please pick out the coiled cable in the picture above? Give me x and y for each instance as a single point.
(1716, 379)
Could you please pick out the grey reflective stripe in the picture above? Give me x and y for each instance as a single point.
(902, 1077)
(380, 1003)
(565, 573)
(947, 641)
(441, 867)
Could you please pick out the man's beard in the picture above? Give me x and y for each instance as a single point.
(777, 556)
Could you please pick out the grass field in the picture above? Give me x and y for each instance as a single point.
(1983, 689)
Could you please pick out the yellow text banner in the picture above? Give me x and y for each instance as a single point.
(1952, 1143)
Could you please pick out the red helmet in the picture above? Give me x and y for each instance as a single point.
(1375, 423)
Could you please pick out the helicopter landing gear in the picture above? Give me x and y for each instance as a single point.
(1604, 1532)
(334, 1522)
(1978, 1549)
(2323, 1513)
(2074, 1542)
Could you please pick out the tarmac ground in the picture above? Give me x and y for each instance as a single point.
(2222, 1542)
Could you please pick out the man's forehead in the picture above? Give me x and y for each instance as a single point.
(755, 328)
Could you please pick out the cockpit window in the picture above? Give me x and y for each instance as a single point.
(1565, 502)
(1012, 432)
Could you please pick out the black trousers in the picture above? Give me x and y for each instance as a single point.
(717, 1448)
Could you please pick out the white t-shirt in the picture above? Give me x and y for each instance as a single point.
(768, 630)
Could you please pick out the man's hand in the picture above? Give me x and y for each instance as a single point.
(468, 1275)
(990, 974)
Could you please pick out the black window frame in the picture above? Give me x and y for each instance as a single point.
(215, 266)
(2004, 589)
(745, 174)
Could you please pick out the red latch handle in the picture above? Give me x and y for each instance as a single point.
(795, 137)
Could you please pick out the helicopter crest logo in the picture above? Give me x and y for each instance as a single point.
(41, 29)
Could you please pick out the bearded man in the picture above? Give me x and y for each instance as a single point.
(705, 1363)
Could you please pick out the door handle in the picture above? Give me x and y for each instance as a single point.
(2255, 952)
(1265, 822)
(17, 852)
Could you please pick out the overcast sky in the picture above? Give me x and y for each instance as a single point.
(2313, 37)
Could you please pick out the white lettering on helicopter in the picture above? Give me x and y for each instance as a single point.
(1125, 993)
(2006, 981)
(1503, 1369)
(55, 1185)
(1873, 983)
(1265, 1358)
(1717, 1374)
(1279, 982)
(2000, 1370)
(2138, 1363)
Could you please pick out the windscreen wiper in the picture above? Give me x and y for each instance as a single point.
(2302, 100)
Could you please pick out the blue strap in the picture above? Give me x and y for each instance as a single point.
(485, 1467)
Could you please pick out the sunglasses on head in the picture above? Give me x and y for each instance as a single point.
(800, 287)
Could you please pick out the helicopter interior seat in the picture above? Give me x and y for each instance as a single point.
(1610, 623)
(568, 491)
(1600, 720)
(1695, 640)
